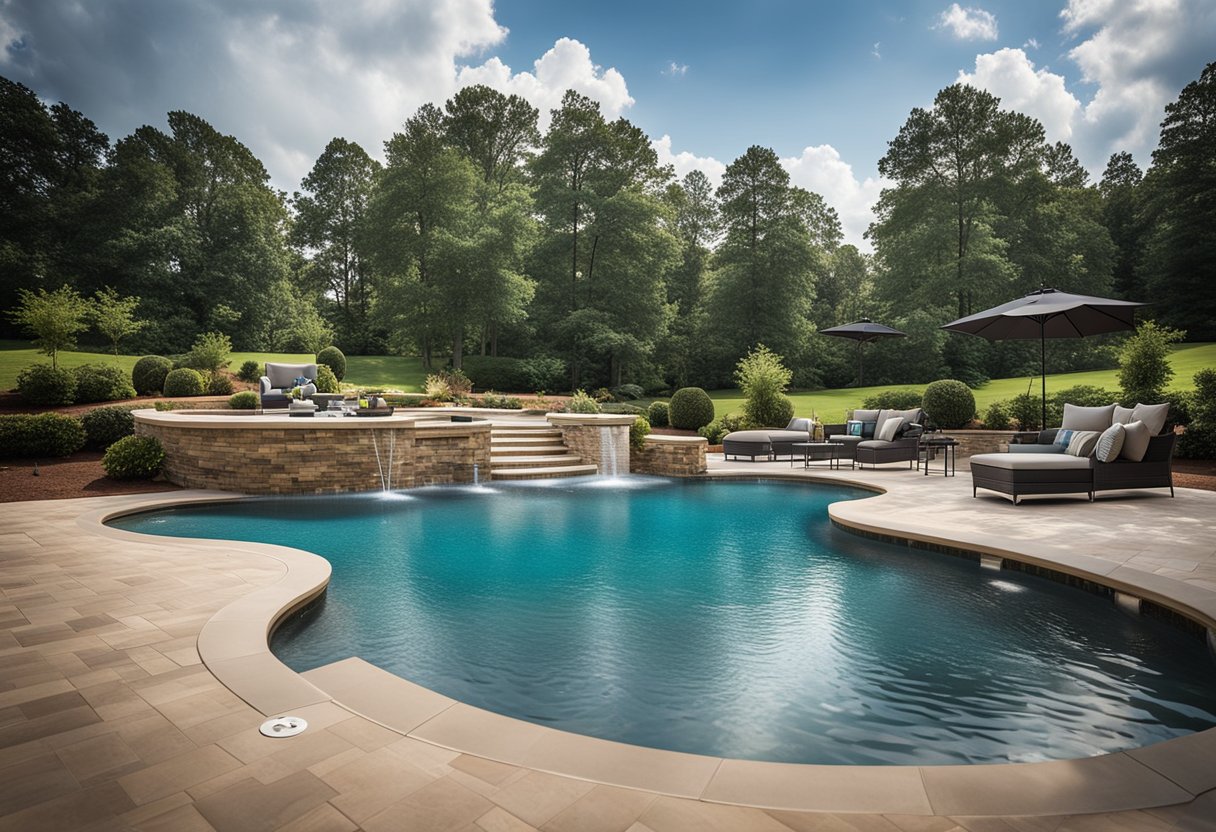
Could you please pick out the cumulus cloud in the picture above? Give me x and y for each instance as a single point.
(1011, 76)
(822, 170)
(968, 24)
(684, 161)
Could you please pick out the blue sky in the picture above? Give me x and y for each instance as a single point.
(825, 84)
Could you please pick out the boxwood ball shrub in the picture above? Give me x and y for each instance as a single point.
(103, 426)
(44, 434)
(327, 380)
(134, 458)
(244, 400)
(219, 383)
(184, 382)
(46, 386)
(657, 414)
(690, 408)
(250, 371)
(148, 374)
(101, 383)
(333, 358)
(949, 403)
(638, 432)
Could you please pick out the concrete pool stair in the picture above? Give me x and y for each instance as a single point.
(532, 452)
(135, 674)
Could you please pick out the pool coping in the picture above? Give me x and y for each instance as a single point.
(234, 646)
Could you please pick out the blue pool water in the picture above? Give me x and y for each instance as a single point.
(719, 618)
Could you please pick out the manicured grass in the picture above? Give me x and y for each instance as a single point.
(390, 371)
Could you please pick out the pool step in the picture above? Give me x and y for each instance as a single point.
(533, 452)
(546, 472)
(527, 450)
(498, 461)
(534, 438)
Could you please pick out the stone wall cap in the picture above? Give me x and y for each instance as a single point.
(663, 439)
(264, 421)
(591, 419)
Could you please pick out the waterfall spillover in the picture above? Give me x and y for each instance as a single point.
(607, 452)
(386, 471)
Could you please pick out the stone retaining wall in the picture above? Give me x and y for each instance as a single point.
(671, 456)
(282, 455)
(972, 442)
(590, 436)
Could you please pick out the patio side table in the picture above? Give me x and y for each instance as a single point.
(828, 452)
(948, 448)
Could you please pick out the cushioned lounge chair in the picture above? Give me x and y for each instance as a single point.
(769, 443)
(280, 380)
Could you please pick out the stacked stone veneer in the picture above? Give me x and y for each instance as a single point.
(972, 442)
(671, 456)
(263, 455)
(588, 436)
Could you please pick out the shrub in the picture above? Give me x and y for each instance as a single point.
(211, 351)
(250, 371)
(638, 432)
(335, 359)
(436, 388)
(515, 374)
(603, 395)
(44, 434)
(497, 400)
(1027, 411)
(690, 408)
(184, 382)
(46, 386)
(165, 407)
(580, 402)
(244, 400)
(1144, 366)
(764, 379)
(103, 426)
(399, 400)
(949, 403)
(101, 383)
(628, 392)
(134, 458)
(622, 407)
(721, 426)
(893, 400)
(1198, 442)
(996, 417)
(148, 374)
(1203, 400)
(327, 381)
(220, 383)
(459, 383)
(657, 414)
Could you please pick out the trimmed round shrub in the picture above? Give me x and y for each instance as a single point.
(44, 434)
(638, 432)
(101, 383)
(148, 374)
(220, 383)
(996, 417)
(327, 380)
(691, 408)
(134, 458)
(893, 400)
(46, 386)
(250, 371)
(657, 414)
(628, 392)
(949, 403)
(768, 411)
(333, 358)
(103, 426)
(580, 402)
(244, 400)
(184, 382)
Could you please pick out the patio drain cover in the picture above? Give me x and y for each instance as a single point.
(283, 726)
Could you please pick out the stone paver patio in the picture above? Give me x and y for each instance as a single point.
(110, 720)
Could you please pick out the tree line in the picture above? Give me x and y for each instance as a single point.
(482, 234)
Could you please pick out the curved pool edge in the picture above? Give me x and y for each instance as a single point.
(234, 646)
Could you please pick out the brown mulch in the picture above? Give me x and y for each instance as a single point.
(78, 475)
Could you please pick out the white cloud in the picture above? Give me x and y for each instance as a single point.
(676, 70)
(822, 170)
(1031, 43)
(968, 24)
(1011, 76)
(684, 162)
(567, 65)
(876, 50)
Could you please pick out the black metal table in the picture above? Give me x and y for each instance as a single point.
(828, 452)
(947, 446)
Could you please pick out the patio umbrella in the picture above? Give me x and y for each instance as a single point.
(1048, 313)
(863, 332)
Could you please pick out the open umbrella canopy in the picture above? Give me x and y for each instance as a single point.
(863, 332)
(1049, 313)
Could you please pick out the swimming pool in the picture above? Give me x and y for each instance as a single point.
(724, 618)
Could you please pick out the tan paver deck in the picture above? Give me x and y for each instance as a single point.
(109, 720)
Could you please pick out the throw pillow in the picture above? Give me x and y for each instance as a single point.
(866, 415)
(1063, 437)
(887, 432)
(300, 381)
(867, 429)
(1123, 415)
(852, 427)
(1110, 443)
(1153, 416)
(1088, 418)
(1083, 442)
(1135, 441)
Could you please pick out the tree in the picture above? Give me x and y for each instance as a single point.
(494, 131)
(1181, 258)
(1122, 214)
(763, 378)
(53, 318)
(694, 220)
(1144, 363)
(820, 219)
(330, 226)
(114, 316)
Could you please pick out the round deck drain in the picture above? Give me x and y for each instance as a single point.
(283, 726)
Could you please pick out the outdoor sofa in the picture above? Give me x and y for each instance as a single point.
(867, 443)
(280, 379)
(1063, 462)
(768, 443)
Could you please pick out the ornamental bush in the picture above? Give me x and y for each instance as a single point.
(250, 371)
(690, 408)
(580, 402)
(764, 379)
(46, 386)
(219, 383)
(148, 374)
(244, 400)
(211, 351)
(1027, 411)
(1144, 363)
(949, 403)
(335, 359)
(627, 392)
(101, 383)
(103, 426)
(721, 426)
(134, 458)
(43, 434)
(893, 400)
(996, 417)
(184, 382)
(638, 432)
(657, 414)
(327, 381)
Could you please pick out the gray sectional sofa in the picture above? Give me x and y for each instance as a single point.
(868, 447)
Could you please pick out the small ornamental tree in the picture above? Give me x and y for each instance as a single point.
(764, 378)
(114, 316)
(1144, 363)
(53, 318)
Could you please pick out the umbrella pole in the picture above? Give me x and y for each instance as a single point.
(860, 379)
(1043, 368)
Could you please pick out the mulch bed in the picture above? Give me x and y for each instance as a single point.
(78, 475)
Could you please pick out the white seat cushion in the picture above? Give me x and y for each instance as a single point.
(1032, 462)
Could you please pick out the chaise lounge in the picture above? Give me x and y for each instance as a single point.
(281, 379)
(768, 443)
